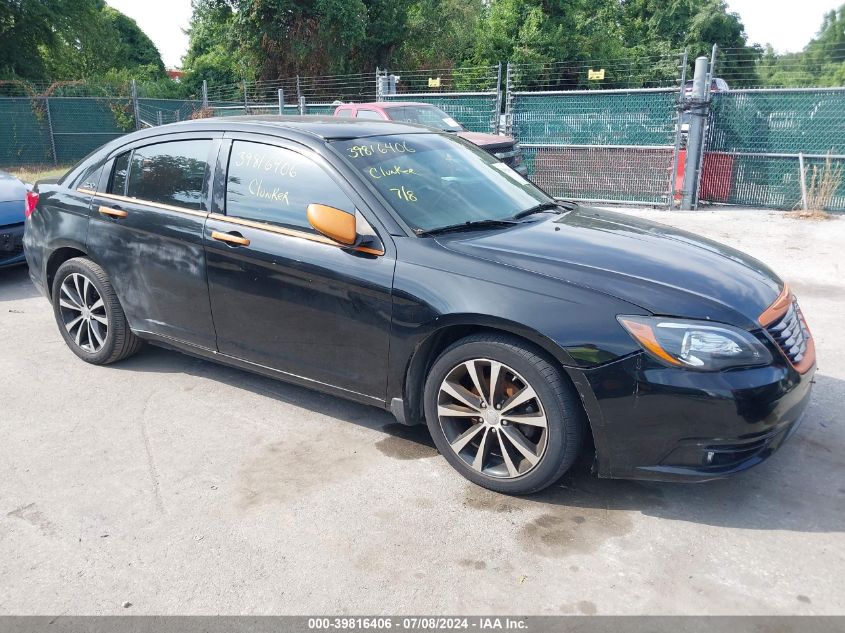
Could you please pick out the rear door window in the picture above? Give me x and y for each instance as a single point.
(171, 173)
(272, 184)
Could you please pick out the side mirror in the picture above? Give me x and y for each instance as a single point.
(333, 223)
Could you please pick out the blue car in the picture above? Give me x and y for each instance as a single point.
(13, 195)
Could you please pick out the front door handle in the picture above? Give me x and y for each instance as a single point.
(111, 212)
(235, 239)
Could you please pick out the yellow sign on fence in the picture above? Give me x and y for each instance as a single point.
(593, 75)
(434, 82)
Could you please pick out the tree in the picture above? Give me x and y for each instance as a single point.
(821, 63)
(109, 41)
(672, 25)
(283, 38)
(28, 28)
(213, 47)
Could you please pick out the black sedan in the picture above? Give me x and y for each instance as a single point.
(408, 269)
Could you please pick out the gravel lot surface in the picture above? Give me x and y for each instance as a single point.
(184, 487)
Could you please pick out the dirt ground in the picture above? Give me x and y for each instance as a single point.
(177, 486)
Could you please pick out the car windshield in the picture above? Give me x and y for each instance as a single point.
(424, 115)
(436, 180)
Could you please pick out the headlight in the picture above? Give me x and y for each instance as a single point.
(697, 345)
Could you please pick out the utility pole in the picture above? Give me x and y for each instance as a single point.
(695, 140)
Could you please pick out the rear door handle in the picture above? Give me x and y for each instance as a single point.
(235, 239)
(111, 212)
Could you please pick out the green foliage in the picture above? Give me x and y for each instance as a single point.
(821, 63)
(48, 40)
(213, 47)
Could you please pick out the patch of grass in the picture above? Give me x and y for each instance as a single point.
(31, 173)
(822, 185)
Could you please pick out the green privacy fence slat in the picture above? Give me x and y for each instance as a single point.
(476, 113)
(597, 118)
(81, 125)
(764, 181)
(622, 174)
(619, 145)
(781, 122)
(325, 109)
(778, 121)
(24, 133)
(153, 111)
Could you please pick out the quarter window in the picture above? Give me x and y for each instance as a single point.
(170, 173)
(344, 113)
(276, 185)
(117, 182)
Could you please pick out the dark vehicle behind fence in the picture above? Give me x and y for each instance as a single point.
(409, 270)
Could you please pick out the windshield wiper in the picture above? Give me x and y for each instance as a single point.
(466, 226)
(543, 206)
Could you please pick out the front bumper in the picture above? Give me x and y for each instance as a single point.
(659, 423)
(11, 245)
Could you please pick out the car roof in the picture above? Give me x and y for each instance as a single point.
(318, 127)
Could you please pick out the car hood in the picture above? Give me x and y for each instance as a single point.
(660, 269)
(487, 141)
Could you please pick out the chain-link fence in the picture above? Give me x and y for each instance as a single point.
(599, 144)
(608, 131)
(779, 148)
(471, 95)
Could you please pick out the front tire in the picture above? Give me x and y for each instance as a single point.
(502, 415)
(89, 315)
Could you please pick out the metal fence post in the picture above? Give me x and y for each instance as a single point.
(495, 122)
(159, 119)
(508, 101)
(708, 97)
(300, 100)
(136, 111)
(698, 111)
(678, 132)
(379, 87)
(204, 93)
(803, 176)
(281, 101)
(302, 105)
(50, 127)
(246, 99)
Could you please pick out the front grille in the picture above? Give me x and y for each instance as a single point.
(791, 334)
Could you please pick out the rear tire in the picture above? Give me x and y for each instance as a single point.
(519, 434)
(89, 315)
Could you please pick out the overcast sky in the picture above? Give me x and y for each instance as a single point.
(786, 24)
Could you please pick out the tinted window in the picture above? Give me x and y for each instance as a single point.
(425, 115)
(344, 113)
(117, 182)
(435, 180)
(276, 185)
(369, 114)
(170, 173)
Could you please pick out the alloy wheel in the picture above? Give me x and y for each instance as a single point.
(492, 418)
(83, 312)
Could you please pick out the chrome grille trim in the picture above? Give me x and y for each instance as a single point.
(790, 333)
